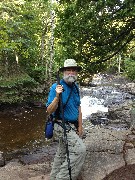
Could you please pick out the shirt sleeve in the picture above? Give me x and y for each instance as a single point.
(52, 94)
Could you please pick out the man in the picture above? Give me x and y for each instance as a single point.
(72, 116)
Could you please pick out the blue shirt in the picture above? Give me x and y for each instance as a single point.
(71, 110)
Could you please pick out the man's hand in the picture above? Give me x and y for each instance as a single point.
(59, 89)
(53, 106)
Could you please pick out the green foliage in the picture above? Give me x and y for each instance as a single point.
(24, 27)
(93, 32)
(130, 67)
(38, 74)
(17, 88)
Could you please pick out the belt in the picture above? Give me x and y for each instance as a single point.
(68, 125)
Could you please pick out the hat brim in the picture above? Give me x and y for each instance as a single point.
(78, 68)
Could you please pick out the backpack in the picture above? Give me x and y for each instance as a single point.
(49, 126)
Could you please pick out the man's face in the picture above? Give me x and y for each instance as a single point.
(70, 75)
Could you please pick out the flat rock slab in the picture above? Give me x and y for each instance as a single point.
(17, 171)
(105, 153)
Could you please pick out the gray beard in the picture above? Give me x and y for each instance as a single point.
(70, 79)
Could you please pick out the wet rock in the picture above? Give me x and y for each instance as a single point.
(120, 114)
(129, 87)
(99, 118)
(40, 155)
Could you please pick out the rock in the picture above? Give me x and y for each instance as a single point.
(14, 170)
(105, 153)
(123, 173)
(101, 140)
(120, 114)
(99, 164)
(107, 150)
(11, 171)
(129, 146)
(129, 87)
(132, 113)
(130, 156)
(42, 177)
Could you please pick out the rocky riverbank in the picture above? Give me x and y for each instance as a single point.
(110, 151)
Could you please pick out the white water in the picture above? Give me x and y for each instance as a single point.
(91, 105)
(96, 99)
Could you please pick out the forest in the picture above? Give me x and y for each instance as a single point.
(36, 36)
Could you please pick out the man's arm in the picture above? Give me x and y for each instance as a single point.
(80, 129)
(53, 106)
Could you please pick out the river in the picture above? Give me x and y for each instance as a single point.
(23, 128)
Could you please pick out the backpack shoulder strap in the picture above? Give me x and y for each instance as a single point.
(58, 108)
(77, 89)
(68, 98)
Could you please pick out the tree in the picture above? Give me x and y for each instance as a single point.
(24, 48)
(129, 63)
(93, 32)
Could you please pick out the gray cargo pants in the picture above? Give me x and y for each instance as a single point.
(77, 152)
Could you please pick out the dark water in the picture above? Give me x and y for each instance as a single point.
(23, 129)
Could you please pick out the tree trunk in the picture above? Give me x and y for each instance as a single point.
(51, 42)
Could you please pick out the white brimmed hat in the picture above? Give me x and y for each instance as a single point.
(70, 63)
